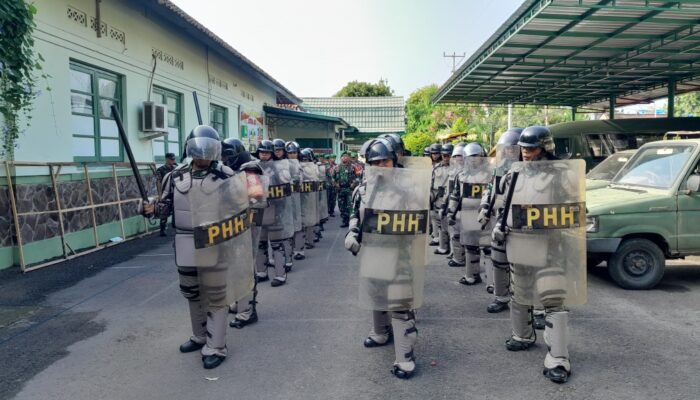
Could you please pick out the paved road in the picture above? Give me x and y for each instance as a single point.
(108, 326)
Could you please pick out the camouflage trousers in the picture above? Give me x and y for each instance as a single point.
(345, 203)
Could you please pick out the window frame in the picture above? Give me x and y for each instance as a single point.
(161, 91)
(95, 74)
(213, 108)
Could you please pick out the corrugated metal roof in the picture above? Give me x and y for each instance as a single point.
(580, 52)
(227, 49)
(367, 114)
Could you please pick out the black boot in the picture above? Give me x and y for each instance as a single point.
(517, 345)
(190, 346)
(239, 323)
(497, 307)
(213, 361)
(557, 374)
(401, 374)
(477, 279)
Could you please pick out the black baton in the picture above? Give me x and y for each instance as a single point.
(196, 107)
(129, 154)
(509, 200)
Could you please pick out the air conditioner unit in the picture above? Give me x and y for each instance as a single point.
(153, 120)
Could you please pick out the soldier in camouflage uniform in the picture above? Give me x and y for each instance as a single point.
(345, 181)
(332, 195)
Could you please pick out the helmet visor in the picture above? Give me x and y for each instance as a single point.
(204, 148)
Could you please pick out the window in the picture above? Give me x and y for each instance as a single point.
(218, 119)
(172, 142)
(92, 92)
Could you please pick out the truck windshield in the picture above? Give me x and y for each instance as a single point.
(655, 166)
(606, 170)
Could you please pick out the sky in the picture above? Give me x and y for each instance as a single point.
(315, 47)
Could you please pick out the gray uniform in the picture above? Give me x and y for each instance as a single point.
(390, 209)
(546, 247)
(438, 188)
(212, 246)
(466, 198)
(278, 219)
(295, 171)
(454, 226)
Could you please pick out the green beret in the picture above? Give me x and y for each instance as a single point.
(346, 152)
(353, 154)
(328, 156)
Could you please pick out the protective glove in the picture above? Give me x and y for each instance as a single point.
(484, 216)
(499, 235)
(351, 242)
(452, 221)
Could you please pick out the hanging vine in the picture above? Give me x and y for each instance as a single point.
(18, 60)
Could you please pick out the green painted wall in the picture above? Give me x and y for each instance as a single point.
(44, 250)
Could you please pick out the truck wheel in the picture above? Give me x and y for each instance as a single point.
(637, 264)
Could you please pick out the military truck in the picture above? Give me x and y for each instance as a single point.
(647, 214)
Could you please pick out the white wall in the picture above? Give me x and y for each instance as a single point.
(60, 39)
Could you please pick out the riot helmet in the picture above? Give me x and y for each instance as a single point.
(380, 149)
(306, 155)
(435, 148)
(474, 149)
(426, 152)
(292, 147)
(396, 142)
(537, 136)
(510, 137)
(203, 143)
(458, 150)
(279, 152)
(234, 153)
(447, 149)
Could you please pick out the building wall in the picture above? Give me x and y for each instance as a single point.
(131, 35)
(314, 132)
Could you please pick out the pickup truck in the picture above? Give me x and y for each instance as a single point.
(650, 212)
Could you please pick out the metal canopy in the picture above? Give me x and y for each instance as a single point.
(583, 52)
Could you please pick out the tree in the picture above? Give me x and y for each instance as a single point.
(419, 109)
(365, 89)
(416, 142)
(688, 105)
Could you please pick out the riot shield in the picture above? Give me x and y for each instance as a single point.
(222, 237)
(474, 180)
(439, 185)
(322, 193)
(416, 162)
(309, 197)
(295, 169)
(453, 171)
(394, 236)
(547, 242)
(506, 155)
(279, 217)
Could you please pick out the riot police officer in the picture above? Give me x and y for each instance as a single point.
(309, 200)
(507, 152)
(545, 242)
(235, 156)
(441, 174)
(205, 197)
(457, 258)
(465, 199)
(281, 154)
(278, 224)
(392, 256)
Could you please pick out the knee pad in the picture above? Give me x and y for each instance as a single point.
(262, 245)
(551, 286)
(277, 246)
(472, 249)
(556, 335)
(405, 335)
(456, 237)
(191, 293)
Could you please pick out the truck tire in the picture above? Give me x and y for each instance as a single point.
(637, 264)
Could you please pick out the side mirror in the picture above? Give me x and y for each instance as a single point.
(693, 184)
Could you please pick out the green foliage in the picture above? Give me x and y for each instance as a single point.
(17, 63)
(688, 104)
(477, 122)
(416, 142)
(365, 89)
(419, 110)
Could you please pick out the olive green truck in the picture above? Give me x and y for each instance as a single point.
(649, 213)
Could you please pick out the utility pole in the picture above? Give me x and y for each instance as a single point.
(454, 57)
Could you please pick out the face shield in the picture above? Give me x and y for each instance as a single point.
(204, 148)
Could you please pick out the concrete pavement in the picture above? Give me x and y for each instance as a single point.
(114, 334)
